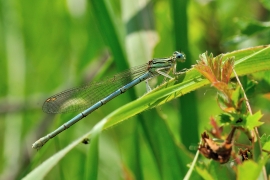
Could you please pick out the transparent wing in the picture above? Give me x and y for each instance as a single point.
(83, 97)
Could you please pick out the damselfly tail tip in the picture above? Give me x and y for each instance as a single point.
(36, 145)
(39, 143)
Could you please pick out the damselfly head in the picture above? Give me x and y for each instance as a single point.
(180, 56)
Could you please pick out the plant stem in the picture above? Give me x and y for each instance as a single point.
(255, 129)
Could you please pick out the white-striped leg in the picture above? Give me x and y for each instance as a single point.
(148, 88)
(182, 71)
(163, 73)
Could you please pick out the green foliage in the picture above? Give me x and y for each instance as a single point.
(47, 47)
(265, 141)
(251, 27)
(213, 170)
(252, 121)
(250, 169)
(248, 121)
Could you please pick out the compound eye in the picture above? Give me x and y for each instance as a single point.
(178, 55)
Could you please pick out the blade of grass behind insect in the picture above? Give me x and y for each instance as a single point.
(189, 111)
(141, 37)
(15, 88)
(111, 32)
(171, 157)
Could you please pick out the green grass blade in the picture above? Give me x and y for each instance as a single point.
(180, 24)
(42, 170)
(110, 31)
(140, 37)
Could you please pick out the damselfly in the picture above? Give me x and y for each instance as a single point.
(97, 94)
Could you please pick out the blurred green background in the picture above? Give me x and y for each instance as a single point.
(49, 46)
